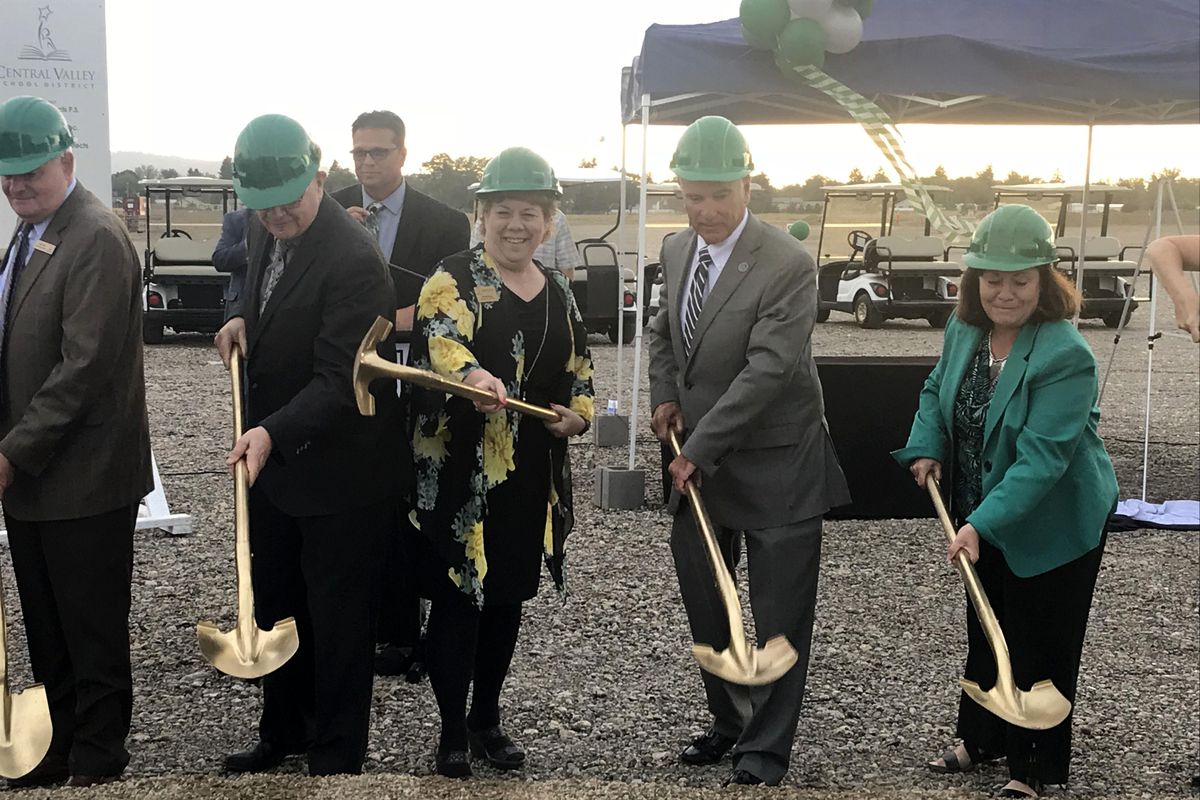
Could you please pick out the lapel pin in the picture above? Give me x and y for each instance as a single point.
(743, 267)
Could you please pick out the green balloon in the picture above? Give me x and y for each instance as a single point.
(762, 21)
(803, 42)
(759, 42)
(799, 229)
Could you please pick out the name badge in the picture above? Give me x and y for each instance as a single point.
(487, 294)
(43, 246)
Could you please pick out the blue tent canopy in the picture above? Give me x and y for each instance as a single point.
(925, 61)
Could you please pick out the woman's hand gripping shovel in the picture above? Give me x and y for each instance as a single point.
(739, 663)
(1038, 709)
(247, 651)
(370, 366)
(25, 727)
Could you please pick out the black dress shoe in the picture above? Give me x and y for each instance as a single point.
(393, 661)
(53, 770)
(264, 756)
(741, 777)
(708, 748)
(494, 745)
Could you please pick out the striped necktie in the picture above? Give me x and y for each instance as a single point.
(372, 221)
(695, 299)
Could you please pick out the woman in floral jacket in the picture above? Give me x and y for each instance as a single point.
(493, 487)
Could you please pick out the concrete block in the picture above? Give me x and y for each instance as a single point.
(620, 488)
(610, 430)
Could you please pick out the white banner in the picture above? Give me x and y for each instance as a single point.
(55, 49)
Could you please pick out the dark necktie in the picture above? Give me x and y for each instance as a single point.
(695, 299)
(16, 264)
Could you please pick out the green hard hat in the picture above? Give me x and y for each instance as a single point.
(712, 149)
(274, 161)
(1010, 239)
(32, 132)
(518, 169)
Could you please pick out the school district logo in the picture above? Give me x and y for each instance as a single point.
(45, 49)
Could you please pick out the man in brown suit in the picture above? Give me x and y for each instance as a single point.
(74, 441)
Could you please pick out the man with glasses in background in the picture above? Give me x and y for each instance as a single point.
(414, 232)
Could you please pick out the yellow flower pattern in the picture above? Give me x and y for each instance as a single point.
(448, 357)
(497, 449)
(459, 454)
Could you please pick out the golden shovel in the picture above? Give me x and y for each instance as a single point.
(739, 663)
(25, 727)
(1038, 709)
(369, 366)
(247, 651)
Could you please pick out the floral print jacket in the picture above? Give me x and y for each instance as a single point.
(463, 324)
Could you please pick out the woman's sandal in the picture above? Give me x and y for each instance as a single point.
(952, 764)
(1026, 793)
(494, 745)
(452, 763)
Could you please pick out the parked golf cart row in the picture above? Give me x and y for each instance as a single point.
(913, 277)
(185, 292)
(895, 268)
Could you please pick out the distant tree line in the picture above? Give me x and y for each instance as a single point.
(447, 178)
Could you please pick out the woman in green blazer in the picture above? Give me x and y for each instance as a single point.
(1010, 411)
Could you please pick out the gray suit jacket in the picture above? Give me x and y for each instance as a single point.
(73, 416)
(750, 395)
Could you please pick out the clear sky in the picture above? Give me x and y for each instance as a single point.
(473, 77)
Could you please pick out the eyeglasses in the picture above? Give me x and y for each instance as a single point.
(286, 208)
(377, 154)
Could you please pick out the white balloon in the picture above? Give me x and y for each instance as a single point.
(843, 28)
(812, 9)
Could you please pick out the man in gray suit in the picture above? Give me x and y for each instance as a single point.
(74, 441)
(731, 367)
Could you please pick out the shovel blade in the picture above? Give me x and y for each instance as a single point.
(1039, 709)
(271, 649)
(26, 732)
(766, 665)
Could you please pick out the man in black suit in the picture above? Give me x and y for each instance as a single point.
(414, 232)
(323, 490)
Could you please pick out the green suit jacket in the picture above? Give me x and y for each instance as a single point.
(1048, 484)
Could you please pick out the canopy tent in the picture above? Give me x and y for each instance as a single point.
(1099, 62)
(941, 61)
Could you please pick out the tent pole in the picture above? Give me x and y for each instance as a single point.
(641, 287)
(620, 280)
(1151, 335)
(1083, 215)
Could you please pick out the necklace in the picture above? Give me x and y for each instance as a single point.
(995, 365)
(542, 343)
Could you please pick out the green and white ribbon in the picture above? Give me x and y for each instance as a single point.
(879, 126)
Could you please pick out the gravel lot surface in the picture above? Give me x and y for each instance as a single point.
(603, 691)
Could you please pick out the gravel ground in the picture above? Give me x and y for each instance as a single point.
(603, 691)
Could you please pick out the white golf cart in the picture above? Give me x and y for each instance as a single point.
(183, 290)
(1108, 276)
(903, 273)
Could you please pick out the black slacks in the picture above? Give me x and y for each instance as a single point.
(400, 615)
(1044, 619)
(320, 571)
(74, 579)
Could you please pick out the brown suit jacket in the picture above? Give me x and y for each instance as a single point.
(73, 403)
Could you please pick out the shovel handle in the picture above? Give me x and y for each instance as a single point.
(935, 494)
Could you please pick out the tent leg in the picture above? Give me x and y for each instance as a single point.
(1083, 215)
(620, 282)
(636, 380)
(1151, 335)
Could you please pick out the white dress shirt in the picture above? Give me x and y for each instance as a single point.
(719, 253)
